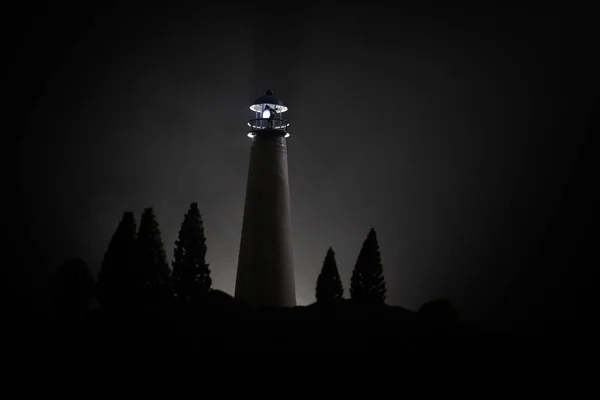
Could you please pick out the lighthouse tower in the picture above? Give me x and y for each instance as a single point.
(265, 274)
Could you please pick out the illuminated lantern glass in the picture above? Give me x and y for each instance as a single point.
(266, 113)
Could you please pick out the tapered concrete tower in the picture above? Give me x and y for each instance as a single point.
(265, 274)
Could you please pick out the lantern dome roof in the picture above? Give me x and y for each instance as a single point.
(270, 100)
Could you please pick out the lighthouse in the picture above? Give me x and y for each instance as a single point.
(265, 271)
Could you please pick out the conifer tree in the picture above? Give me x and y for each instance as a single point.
(117, 280)
(153, 267)
(329, 285)
(191, 274)
(367, 284)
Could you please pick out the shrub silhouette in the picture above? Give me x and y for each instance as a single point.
(441, 309)
(73, 288)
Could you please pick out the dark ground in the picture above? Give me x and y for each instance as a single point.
(224, 325)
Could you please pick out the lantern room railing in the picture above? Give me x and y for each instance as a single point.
(259, 124)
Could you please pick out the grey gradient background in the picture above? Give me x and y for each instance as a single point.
(452, 131)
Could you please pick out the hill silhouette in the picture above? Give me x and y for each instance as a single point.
(220, 323)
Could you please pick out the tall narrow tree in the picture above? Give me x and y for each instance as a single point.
(191, 274)
(329, 285)
(117, 280)
(367, 284)
(153, 268)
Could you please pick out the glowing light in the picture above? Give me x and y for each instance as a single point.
(266, 113)
(278, 108)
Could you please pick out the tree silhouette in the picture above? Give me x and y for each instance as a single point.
(191, 274)
(151, 258)
(367, 284)
(73, 288)
(118, 278)
(329, 285)
(441, 309)
(154, 268)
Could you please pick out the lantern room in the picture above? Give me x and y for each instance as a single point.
(268, 111)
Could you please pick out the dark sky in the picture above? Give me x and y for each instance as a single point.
(453, 132)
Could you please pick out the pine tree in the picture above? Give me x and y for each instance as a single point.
(367, 284)
(329, 285)
(191, 274)
(152, 259)
(117, 280)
